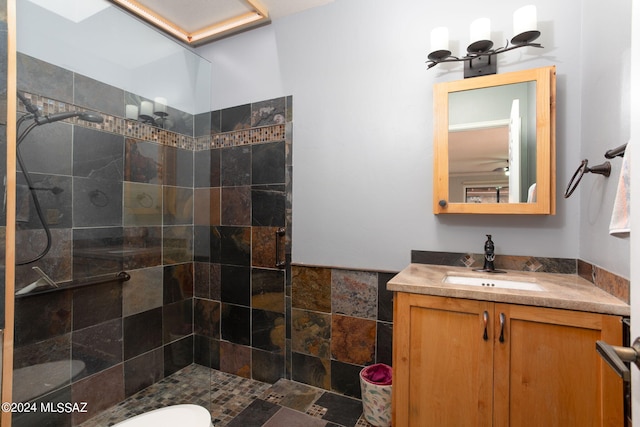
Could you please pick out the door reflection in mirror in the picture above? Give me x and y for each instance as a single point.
(492, 144)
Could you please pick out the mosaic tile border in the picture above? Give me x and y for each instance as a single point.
(146, 132)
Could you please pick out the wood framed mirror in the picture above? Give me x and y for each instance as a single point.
(494, 144)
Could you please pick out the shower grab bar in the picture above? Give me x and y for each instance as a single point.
(616, 152)
(279, 233)
(120, 277)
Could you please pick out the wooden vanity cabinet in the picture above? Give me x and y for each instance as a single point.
(455, 364)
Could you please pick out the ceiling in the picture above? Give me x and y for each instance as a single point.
(196, 22)
(478, 151)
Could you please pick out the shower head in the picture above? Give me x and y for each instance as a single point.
(82, 115)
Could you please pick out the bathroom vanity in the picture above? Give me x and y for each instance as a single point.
(514, 349)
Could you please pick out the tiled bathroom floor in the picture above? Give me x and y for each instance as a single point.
(239, 402)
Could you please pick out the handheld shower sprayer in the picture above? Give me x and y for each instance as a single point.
(38, 120)
(82, 115)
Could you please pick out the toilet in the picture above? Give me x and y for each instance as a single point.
(171, 416)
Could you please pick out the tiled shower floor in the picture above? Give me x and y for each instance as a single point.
(239, 402)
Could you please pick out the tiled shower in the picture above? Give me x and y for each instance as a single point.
(194, 215)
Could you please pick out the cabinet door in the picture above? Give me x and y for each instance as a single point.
(442, 363)
(547, 370)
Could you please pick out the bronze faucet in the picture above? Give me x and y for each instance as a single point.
(489, 257)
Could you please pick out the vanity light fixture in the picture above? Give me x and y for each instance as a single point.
(479, 60)
(154, 113)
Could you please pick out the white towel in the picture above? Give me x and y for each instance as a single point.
(620, 225)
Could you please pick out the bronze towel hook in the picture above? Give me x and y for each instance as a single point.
(603, 169)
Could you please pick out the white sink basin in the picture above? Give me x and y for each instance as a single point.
(492, 283)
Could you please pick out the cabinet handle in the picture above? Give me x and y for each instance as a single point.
(503, 320)
(279, 233)
(485, 320)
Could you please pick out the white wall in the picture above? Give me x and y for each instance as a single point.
(363, 125)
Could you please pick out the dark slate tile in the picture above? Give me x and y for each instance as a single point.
(100, 391)
(437, 258)
(178, 355)
(311, 370)
(99, 346)
(177, 205)
(201, 244)
(97, 251)
(49, 350)
(95, 95)
(235, 166)
(268, 205)
(268, 163)
(215, 244)
(267, 330)
(263, 246)
(235, 284)
(56, 263)
(340, 409)
(269, 112)
(177, 244)
(177, 121)
(41, 317)
(266, 366)
(255, 415)
(202, 124)
(206, 318)
(215, 285)
(216, 125)
(289, 102)
(345, 378)
(143, 371)
(206, 206)
(236, 360)
(177, 166)
(142, 204)
(215, 167)
(202, 169)
(177, 320)
(142, 247)
(177, 282)
(235, 118)
(384, 343)
(236, 324)
(96, 304)
(54, 193)
(40, 77)
(235, 245)
(97, 154)
(385, 298)
(142, 332)
(206, 352)
(96, 202)
(201, 280)
(267, 289)
(46, 418)
(48, 149)
(236, 205)
(143, 162)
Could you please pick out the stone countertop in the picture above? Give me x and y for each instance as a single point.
(565, 291)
